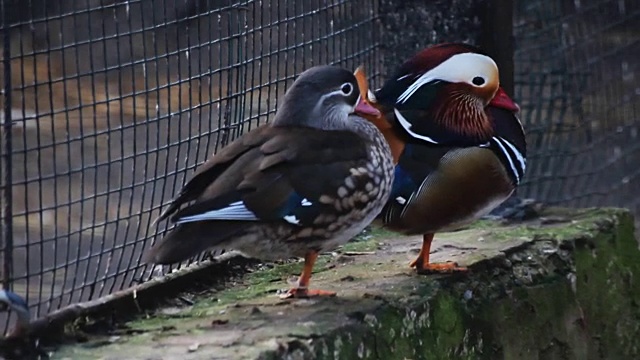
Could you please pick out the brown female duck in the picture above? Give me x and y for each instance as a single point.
(303, 184)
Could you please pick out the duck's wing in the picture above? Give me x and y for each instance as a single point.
(290, 174)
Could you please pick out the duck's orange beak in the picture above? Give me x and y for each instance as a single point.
(395, 143)
(363, 85)
(375, 117)
(364, 107)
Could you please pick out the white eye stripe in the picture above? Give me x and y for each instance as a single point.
(336, 92)
(458, 68)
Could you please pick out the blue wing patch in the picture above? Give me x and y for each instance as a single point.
(403, 186)
(297, 210)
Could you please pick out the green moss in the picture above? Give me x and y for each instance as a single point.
(264, 281)
(448, 324)
(528, 320)
(357, 246)
(432, 328)
(572, 292)
(607, 273)
(483, 224)
(580, 225)
(367, 240)
(375, 232)
(547, 320)
(270, 279)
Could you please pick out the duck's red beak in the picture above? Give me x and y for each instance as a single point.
(364, 108)
(503, 101)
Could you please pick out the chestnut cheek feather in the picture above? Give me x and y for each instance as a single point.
(464, 115)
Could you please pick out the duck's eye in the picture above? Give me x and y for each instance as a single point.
(478, 81)
(346, 88)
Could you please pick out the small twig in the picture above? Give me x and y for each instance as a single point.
(358, 253)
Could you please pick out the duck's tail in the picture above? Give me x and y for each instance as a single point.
(189, 239)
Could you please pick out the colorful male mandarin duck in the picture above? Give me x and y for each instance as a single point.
(305, 183)
(458, 145)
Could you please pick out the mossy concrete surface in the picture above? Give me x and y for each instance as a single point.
(562, 286)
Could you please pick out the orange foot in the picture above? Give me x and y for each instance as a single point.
(423, 266)
(297, 293)
(435, 268)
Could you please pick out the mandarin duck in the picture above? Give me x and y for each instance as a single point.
(303, 184)
(458, 146)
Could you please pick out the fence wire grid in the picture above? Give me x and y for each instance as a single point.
(110, 105)
(114, 103)
(577, 73)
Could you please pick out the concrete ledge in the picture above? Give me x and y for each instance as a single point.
(562, 286)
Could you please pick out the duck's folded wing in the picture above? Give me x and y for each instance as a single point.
(211, 170)
(291, 176)
(417, 162)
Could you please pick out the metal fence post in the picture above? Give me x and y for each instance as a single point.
(497, 38)
(6, 223)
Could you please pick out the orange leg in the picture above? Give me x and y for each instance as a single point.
(422, 265)
(302, 290)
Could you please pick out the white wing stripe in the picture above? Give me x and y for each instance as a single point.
(407, 126)
(235, 211)
(504, 151)
(521, 159)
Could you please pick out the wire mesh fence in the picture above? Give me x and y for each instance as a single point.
(577, 79)
(110, 105)
(113, 103)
